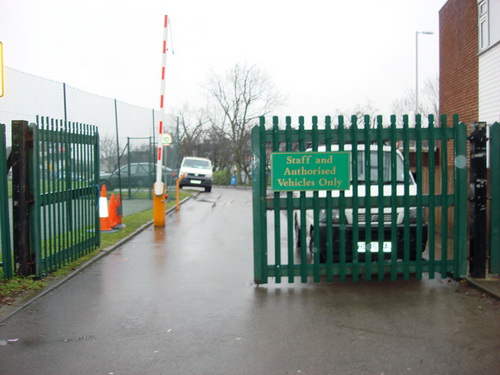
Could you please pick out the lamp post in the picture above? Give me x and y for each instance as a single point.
(416, 65)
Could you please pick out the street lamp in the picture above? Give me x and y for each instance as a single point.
(416, 65)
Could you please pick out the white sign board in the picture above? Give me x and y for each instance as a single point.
(167, 139)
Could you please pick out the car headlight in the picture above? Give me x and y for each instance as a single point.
(335, 216)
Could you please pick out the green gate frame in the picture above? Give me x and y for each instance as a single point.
(276, 139)
(495, 198)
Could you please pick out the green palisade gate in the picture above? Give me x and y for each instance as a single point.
(278, 252)
(62, 196)
(65, 216)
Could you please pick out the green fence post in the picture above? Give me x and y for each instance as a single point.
(4, 209)
(432, 199)
(495, 198)
(355, 199)
(315, 233)
(342, 212)
(303, 246)
(258, 214)
(419, 164)
(406, 203)
(394, 213)
(289, 208)
(380, 197)
(277, 212)
(367, 197)
(444, 196)
(97, 168)
(329, 207)
(461, 204)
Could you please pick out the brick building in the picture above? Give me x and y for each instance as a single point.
(469, 63)
(469, 47)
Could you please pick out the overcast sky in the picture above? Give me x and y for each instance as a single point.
(324, 55)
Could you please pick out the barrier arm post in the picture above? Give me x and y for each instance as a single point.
(159, 187)
(177, 191)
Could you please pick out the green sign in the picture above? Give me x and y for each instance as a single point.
(291, 171)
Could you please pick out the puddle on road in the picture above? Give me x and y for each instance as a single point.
(210, 198)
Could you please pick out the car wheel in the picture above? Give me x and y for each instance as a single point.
(322, 257)
(208, 189)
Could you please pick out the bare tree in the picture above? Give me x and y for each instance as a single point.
(192, 130)
(219, 149)
(360, 110)
(404, 105)
(241, 96)
(108, 156)
(428, 103)
(431, 96)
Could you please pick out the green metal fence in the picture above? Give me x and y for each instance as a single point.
(439, 204)
(5, 239)
(55, 195)
(65, 190)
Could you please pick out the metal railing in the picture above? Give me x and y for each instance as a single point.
(55, 170)
(65, 190)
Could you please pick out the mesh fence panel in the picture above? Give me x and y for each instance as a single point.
(27, 96)
(127, 132)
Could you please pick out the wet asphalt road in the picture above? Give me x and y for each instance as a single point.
(181, 300)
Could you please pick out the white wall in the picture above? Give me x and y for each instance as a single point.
(489, 85)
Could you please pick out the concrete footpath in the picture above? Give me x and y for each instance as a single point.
(489, 285)
(181, 300)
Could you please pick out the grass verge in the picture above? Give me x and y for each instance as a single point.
(20, 287)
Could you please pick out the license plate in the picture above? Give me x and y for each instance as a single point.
(196, 182)
(373, 247)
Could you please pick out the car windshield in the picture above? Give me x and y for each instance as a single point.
(384, 165)
(195, 163)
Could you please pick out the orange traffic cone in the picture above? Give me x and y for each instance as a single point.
(105, 225)
(113, 221)
(119, 211)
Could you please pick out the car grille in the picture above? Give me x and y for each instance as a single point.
(195, 175)
(374, 218)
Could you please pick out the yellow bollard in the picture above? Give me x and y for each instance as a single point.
(177, 192)
(159, 206)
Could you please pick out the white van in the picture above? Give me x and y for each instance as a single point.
(375, 219)
(197, 172)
